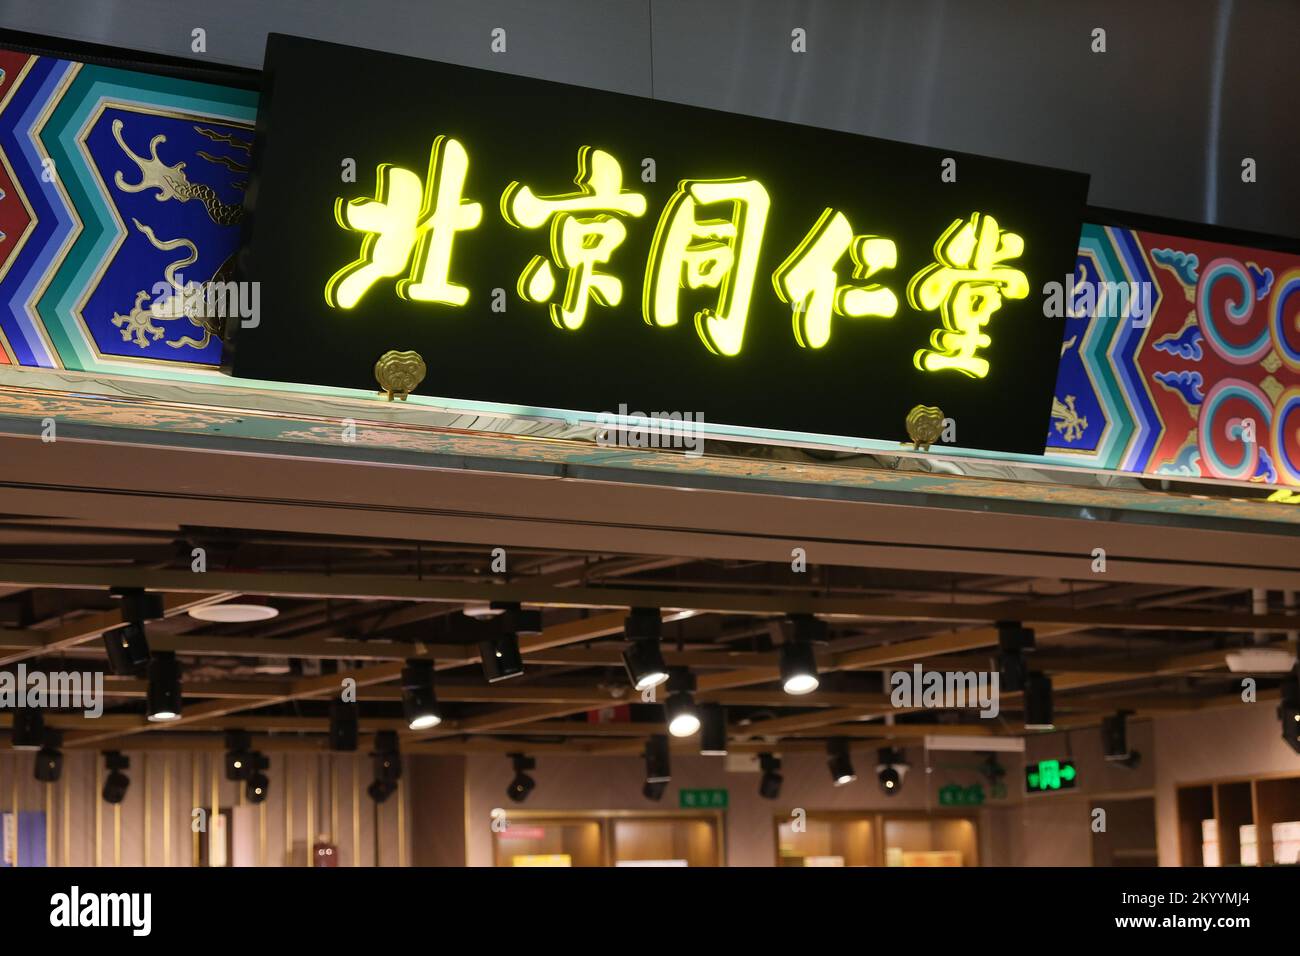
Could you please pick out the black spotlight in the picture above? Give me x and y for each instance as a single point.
(128, 650)
(713, 730)
(344, 721)
(679, 710)
(798, 663)
(798, 668)
(239, 757)
(769, 786)
(522, 785)
(643, 658)
(257, 784)
(380, 790)
(1288, 711)
(29, 729)
(654, 790)
(1114, 739)
(839, 761)
(419, 702)
(164, 694)
(49, 759)
(388, 761)
(890, 770)
(657, 766)
(1038, 701)
(116, 782)
(1013, 641)
(501, 658)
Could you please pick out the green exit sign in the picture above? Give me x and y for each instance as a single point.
(702, 799)
(1048, 775)
(955, 795)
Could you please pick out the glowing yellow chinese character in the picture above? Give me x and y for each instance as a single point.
(966, 284)
(408, 217)
(692, 253)
(578, 243)
(807, 280)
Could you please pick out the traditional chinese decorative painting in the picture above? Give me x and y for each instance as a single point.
(544, 246)
(121, 194)
(1203, 380)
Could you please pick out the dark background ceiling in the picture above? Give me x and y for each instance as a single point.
(1162, 120)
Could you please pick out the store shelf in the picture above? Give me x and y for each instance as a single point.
(847, 838)
(1261, 801)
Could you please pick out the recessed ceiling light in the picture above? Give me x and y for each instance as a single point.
(1261, 660)
(233, 613)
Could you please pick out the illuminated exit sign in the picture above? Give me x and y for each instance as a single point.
(550, 247)
(1048, 775)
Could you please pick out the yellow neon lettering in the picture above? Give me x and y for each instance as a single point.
(808, 281)
(966, 284)
(693, 253)
(408, 217)
(579, 244)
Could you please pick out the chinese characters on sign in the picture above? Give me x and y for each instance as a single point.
(550, 250)
(709, 235)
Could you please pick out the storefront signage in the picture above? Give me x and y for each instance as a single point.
(1208, 384)
(702, 799)
(1048, 775)
(548, 246)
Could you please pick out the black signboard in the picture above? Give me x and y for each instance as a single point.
(555, 247)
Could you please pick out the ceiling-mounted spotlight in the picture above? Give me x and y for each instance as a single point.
(658, 769)
(233, 613)
(518, 620)
(521, 785)
(1013, 641)
(500, 657)
(643, 657)
(344, 726)
(419, 702)
(49, 759)
(257, 784)
(138, 605)
(28, 729)
(380, 790)
(839, 761)
(798, 662)
(891, 768)
(680, 711)
(1114, 739)
(116, 782)
(1288, 711)
(163, 701)
(654, 790)
(713, 730)
(239, 756)
(769, 785)
(1038, 701)
(388, 761)
(798, 668)
(127, 649)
